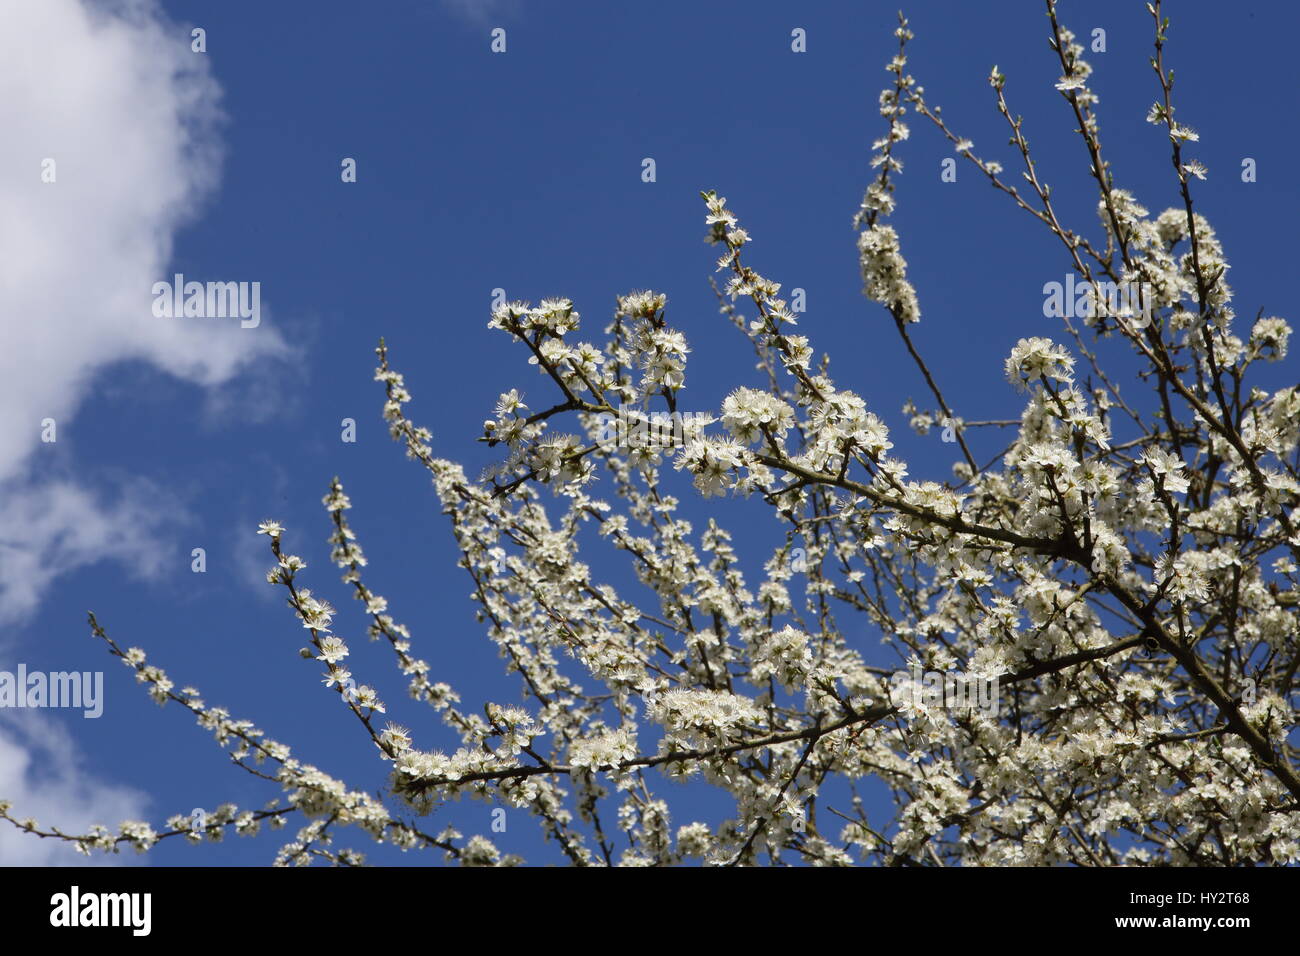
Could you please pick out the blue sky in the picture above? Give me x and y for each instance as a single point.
(478, 171)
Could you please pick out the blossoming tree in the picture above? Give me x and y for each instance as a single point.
(1124, 571)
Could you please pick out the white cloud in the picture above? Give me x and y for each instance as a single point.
(55, 526)
(111, 92)
(481, 12)
(42, 776)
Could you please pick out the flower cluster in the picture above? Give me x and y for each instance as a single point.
(1125, 561)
